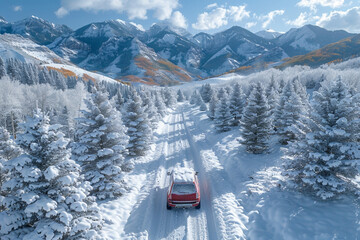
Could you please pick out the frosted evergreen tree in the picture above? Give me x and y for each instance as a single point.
(207, 92)
(223, 116)
(119, 101)
(228, 90)
(212, 107)
(282, 84)
(272, 95)
(237, 104)
(194, 97)
(170, 97)
(326, 160)
(279, 110)
(300, 90)
(2, 68)
(180, 96)
(46, 198)
(273, 100)
(150, 109)
(139, 130)
(8, 150)
(255, 123)
(202, 104)
(221, 94)
(294, 111)
(63, 120)
(100, 146)
(160, 105)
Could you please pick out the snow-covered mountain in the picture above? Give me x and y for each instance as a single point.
(25, 50)
(298, 41)
(169, 54)
(114, 48)
(17, 47)
(269, 34)
(342, 50)
(177, 48)
(232, 49)
(38, 30)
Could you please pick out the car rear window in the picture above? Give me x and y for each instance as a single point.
(183, 188)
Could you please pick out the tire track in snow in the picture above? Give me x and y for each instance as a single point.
(150, 219)
(205, 190)
(228, 212)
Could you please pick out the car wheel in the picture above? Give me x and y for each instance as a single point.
(198, 206)
(168, 207)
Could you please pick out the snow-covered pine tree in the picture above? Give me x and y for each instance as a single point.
(221, 93)
(272, 96)
(207, 92)
(170, 97)
(8, 150)
(255, 124)
(2, 68)
(237, 104)
(326, 160)
(160, 105)
(119, 101)
(300, 90)
(180, 96)
(194, 97)
(150, 109)
(212, 107)
(139, 130)
(100, 146)
(294, 111)
(278, 122)
(46, 198)
(202, 104)
(63, 120)
(223, 116)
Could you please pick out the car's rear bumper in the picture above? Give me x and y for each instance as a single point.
(183, 204)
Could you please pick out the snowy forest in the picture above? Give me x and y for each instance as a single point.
(67, 146)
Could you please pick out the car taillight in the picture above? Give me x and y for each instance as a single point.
(197, 195)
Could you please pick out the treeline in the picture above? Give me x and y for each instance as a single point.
(320, 133)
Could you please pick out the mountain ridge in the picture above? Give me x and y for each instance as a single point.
(168, 52)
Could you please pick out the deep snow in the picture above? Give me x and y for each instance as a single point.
(242, 194)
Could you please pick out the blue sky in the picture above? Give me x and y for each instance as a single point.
(195, 15)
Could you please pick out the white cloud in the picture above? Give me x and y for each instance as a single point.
(211, 20)
(17, 8)
(347, 20)
(162, 9)
(270, 16)
(250, 24)
(210, 6)
(237, 13)
(220, 16)
(324, 3)
(301, 20)
(178, 20)
(61, 12)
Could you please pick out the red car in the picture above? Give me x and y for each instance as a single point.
(184, 190)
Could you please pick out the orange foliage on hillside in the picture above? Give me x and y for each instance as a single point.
(152, 67)
(65, 72)
(87, 78)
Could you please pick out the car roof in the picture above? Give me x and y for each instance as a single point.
(183, 175)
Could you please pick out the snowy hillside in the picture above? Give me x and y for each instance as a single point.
(268, 34)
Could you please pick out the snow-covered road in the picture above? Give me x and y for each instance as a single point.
(143, 213)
